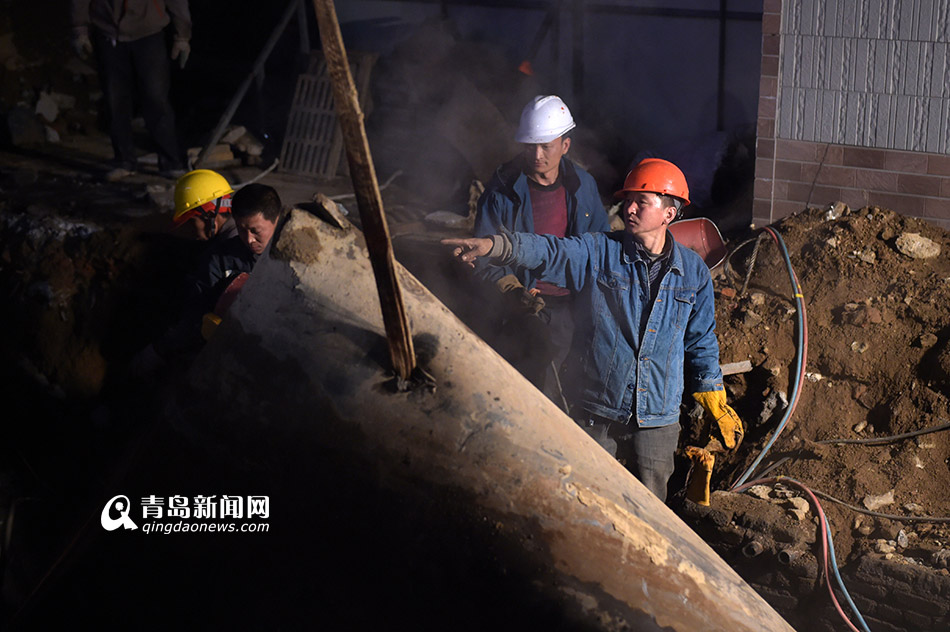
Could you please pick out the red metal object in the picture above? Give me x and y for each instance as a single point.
(703, 236)
(230, 294)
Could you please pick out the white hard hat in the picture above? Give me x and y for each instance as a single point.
(544, 119)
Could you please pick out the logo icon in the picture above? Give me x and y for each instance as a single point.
(123, 507)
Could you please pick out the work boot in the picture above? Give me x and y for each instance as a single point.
(121, 171)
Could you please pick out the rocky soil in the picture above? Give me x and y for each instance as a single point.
(876, 289)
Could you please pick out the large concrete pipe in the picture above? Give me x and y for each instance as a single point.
(299, 373)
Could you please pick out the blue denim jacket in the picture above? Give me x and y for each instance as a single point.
(506, 204)
(613, 366)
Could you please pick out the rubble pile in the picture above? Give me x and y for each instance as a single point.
(876, 290)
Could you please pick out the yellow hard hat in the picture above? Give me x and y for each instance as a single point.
(196, 188)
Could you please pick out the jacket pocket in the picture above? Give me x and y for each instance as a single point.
(612, 283)
(612, 298)
(683, 300)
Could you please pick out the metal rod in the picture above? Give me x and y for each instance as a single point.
(603, 7)
(242, 90)
(501, 4)
(366, 187)
(556, 42)
(541, 33)
(707, 14)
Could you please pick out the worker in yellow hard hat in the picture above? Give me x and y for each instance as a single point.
(203, 200)
(646, 318)
(257, 209)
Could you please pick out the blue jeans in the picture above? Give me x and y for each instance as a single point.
(648, 452)
(140, 66)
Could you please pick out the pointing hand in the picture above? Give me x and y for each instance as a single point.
(468, 250)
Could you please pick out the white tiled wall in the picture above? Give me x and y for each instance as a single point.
(868, 73)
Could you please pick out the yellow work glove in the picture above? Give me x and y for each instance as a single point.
(518, 299)
(728, 422)
(697, 482)
(209, 323)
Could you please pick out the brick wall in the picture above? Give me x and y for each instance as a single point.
(792, 173)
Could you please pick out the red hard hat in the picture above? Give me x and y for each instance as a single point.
(655, 175)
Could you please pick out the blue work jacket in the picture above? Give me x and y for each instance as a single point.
(615, 370)
(506, 204)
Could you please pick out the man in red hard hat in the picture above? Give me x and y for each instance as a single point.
(646, 323)
(540, 191)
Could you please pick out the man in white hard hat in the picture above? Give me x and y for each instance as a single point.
(540, 191)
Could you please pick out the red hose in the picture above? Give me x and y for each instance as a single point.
(824, 535)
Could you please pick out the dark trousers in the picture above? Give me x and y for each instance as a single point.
(647, 452)
(141, 67)
(560, 333)
(538, 345)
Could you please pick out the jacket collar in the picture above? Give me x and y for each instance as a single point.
(631, 253)
(512, 177)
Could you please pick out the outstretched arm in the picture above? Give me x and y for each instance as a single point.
(562, 261)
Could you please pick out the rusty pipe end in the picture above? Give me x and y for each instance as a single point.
(787, 556)
(753, 549)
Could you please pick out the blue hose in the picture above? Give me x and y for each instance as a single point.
(830, 558)
(800, 351)
(834, 568)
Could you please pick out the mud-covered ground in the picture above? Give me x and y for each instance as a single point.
(877, 365)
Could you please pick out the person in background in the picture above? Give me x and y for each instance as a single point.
(128, 39)
(540, 191)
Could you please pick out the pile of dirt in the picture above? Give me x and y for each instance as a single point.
(876, 286)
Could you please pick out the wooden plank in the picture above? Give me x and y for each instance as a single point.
(743, 366)
(366, 187)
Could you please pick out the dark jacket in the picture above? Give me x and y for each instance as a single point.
(506, 203)
(223, 260)
(129, 20)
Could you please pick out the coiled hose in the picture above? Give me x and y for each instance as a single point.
(801, 351)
